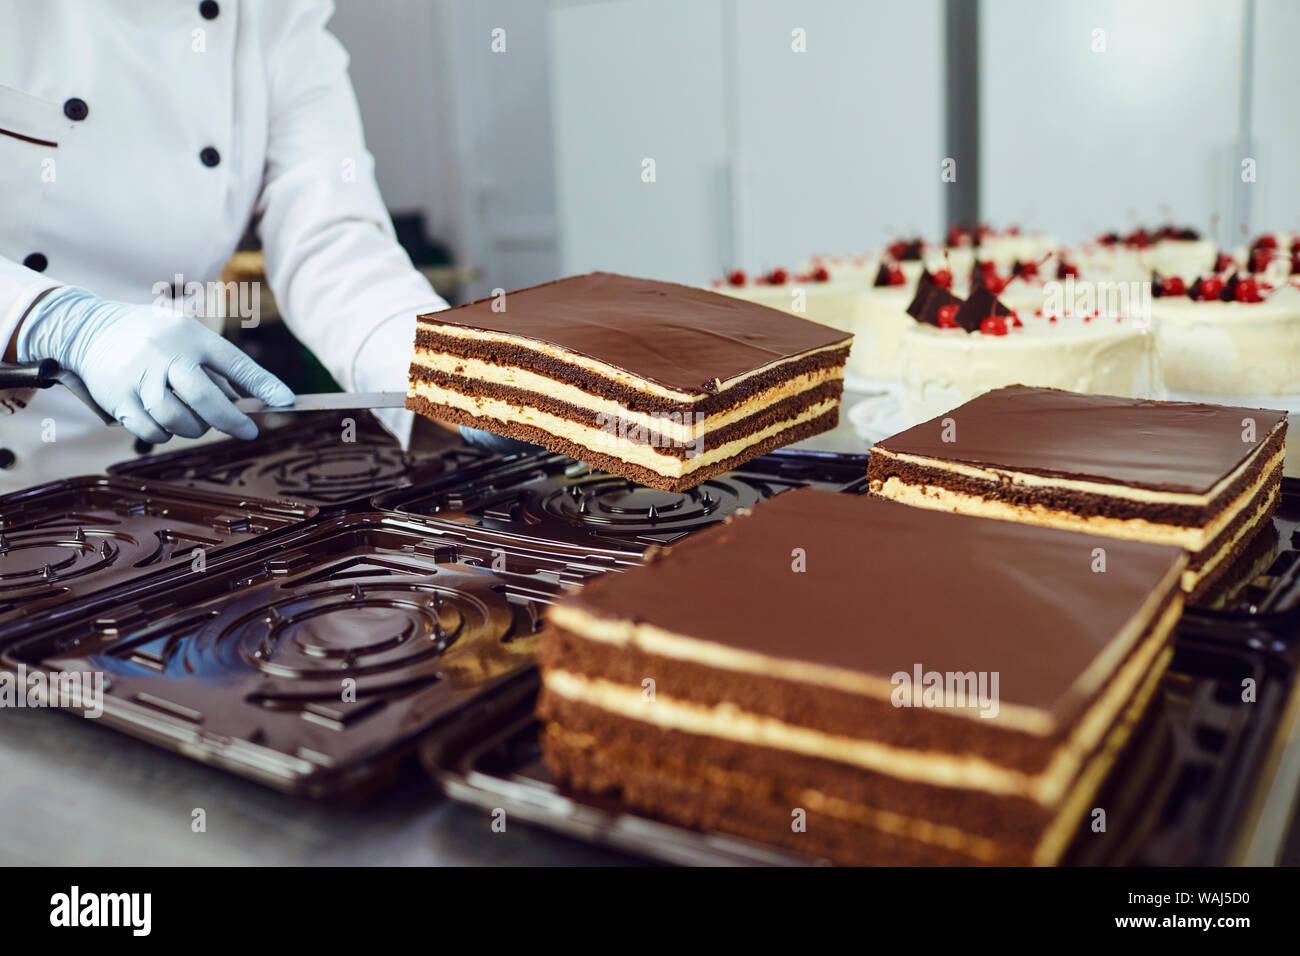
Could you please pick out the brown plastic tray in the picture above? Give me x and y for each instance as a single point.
(314, 663)
(317, 460)
(553, 498)
(66, 539)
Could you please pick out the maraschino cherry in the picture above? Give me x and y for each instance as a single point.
(737, 277)
(994, 325)
(948, 316)
(1248, 291)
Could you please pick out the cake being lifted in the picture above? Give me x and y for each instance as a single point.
(664, 384)
(853, 679)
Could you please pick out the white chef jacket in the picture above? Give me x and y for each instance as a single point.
(139, 138)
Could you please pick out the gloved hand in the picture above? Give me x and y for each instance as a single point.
(159, 372)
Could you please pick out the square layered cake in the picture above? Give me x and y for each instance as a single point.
(1205, 478)
(664, 384)
(861, 681)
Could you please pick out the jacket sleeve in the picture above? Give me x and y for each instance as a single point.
(19, 288)
(344, 285)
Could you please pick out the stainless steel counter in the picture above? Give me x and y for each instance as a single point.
(77, 794)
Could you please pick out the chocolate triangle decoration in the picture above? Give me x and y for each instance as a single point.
(981, 304)
(1157, 285)
(1194, 291)
(882, 275)
(929, 299)
(1229, 291)
(906, 250)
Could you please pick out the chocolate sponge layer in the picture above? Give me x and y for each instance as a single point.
(618, 466)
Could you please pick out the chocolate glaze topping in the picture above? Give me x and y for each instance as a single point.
(1164, 446)
(679, 336)
(888, 586)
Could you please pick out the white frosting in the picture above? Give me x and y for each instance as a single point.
(944, 368)
(1230, 348)
(834, 303)
(1185, 258)
(1116, 262)
(1006, 249)
(852, 267)
(881, 319)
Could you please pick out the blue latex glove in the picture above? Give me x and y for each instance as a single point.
(497, 444)
(157, 371)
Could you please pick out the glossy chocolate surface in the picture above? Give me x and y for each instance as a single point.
(1164, 446)
(887, 587)
(676, 335)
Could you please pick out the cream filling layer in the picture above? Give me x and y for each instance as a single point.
(1051, 843)
(960, 771)
(612, 372)
(670, 425)
(659, 642)
(1193, 576)
(610, 442)
(1057, 836)
(1028, 480)
(1192, 539)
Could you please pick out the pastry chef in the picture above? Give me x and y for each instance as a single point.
(138, 141)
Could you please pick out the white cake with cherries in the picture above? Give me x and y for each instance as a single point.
(1233, 337)
(1182, 252)
(1273, 257)
(1166, 250)
(957, 349)
(856, 267)
(817, 296)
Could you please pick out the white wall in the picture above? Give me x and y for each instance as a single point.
(460, 132)
(637, 80)
(1078, 142)
(1275, 197)
(841, 144)
(763, 155)
(529, 162)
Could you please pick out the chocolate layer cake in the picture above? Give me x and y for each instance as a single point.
(1201, 477)
(664, 384)
(775, 677)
